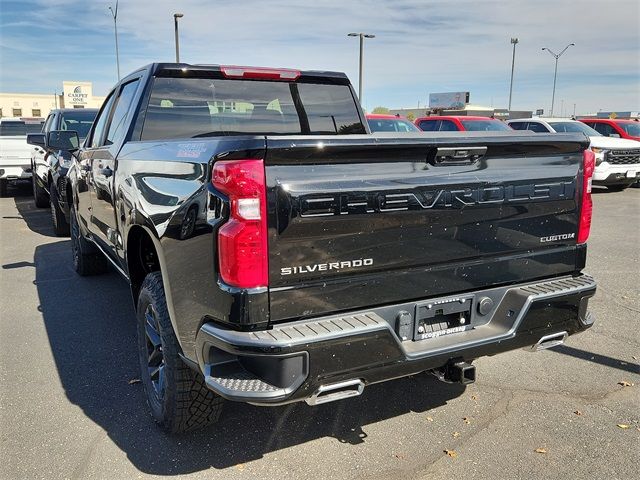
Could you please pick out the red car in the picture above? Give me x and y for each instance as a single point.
(389, 123)
(452, 123)
(615, 128)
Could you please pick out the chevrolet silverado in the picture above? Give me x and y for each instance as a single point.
(277, 251)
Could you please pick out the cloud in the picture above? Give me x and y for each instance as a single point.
(420, 46)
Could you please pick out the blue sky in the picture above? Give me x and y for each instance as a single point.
(421, 46)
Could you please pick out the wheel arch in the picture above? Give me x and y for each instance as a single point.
(143, 255)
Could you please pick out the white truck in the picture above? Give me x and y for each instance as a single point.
(15, 153)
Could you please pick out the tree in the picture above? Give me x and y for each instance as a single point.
(383, 110)
(411, 117)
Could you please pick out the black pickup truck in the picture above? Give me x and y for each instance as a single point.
(277, 251)
(50, 167)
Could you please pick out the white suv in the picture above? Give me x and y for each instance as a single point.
(15, 153)
(617, 159)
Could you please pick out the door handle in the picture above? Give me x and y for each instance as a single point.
(107, 172)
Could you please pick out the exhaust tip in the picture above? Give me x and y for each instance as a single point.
(549, 341)
(336, 391)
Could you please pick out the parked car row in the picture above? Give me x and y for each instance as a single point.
(617, 159)
(615, 144)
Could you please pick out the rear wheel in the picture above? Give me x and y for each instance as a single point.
(3, 187)
(39, 194)
(60, 224)
(87, 260)
(178, 397)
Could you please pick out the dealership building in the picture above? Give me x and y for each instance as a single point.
(74, 95)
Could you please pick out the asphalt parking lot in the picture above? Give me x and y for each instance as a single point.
(68, 409)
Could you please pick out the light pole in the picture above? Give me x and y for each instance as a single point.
(362, 37)
(176, 16)
(555, 72)
(114, 13)
(514, 42)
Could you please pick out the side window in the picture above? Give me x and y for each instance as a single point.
(448, 126)
(100, 122)
(428, 125)
(47, 124)
(605, 129)
(537, 127)
(118, 125)
(518, 125)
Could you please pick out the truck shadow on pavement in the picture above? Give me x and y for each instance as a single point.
(91, 330)
(37, 219)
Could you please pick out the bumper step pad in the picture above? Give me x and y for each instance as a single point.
(559, 287)
(233, 378)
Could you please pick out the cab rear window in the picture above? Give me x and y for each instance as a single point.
(203, 107)
(19, 128)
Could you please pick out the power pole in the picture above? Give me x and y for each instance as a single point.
(114, 14)
(514, 42)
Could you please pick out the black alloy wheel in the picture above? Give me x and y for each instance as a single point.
(155, 355)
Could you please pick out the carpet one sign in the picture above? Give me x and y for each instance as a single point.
(77, 93)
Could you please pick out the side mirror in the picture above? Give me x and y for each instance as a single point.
(66, 140)
(614, 135)
(37, 139)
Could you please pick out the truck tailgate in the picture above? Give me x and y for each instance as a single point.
(363, 220)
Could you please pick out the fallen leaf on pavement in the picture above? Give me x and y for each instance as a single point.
(451, 453)
(456, 434)
(240, 466)
(541, 450)
(467, 420)
(399, 456)
(429, 419)
(626, 384)
(134, 380)
(473, 397)
(578, 412)
(623, 426)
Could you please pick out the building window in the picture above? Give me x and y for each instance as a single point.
(17, 112)
(35, 112)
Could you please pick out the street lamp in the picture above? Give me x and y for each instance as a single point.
(114, 14)
(555, 73)
(362, 37)
(176, 16)
(514, 42)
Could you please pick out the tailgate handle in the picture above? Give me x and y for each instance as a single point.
(458, 155)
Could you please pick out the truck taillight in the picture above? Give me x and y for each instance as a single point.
(586, 209)
(242, 241)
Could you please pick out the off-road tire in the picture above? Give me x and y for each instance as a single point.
(60, 225)
(181, 401)
(39, 194)
(87, 259)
